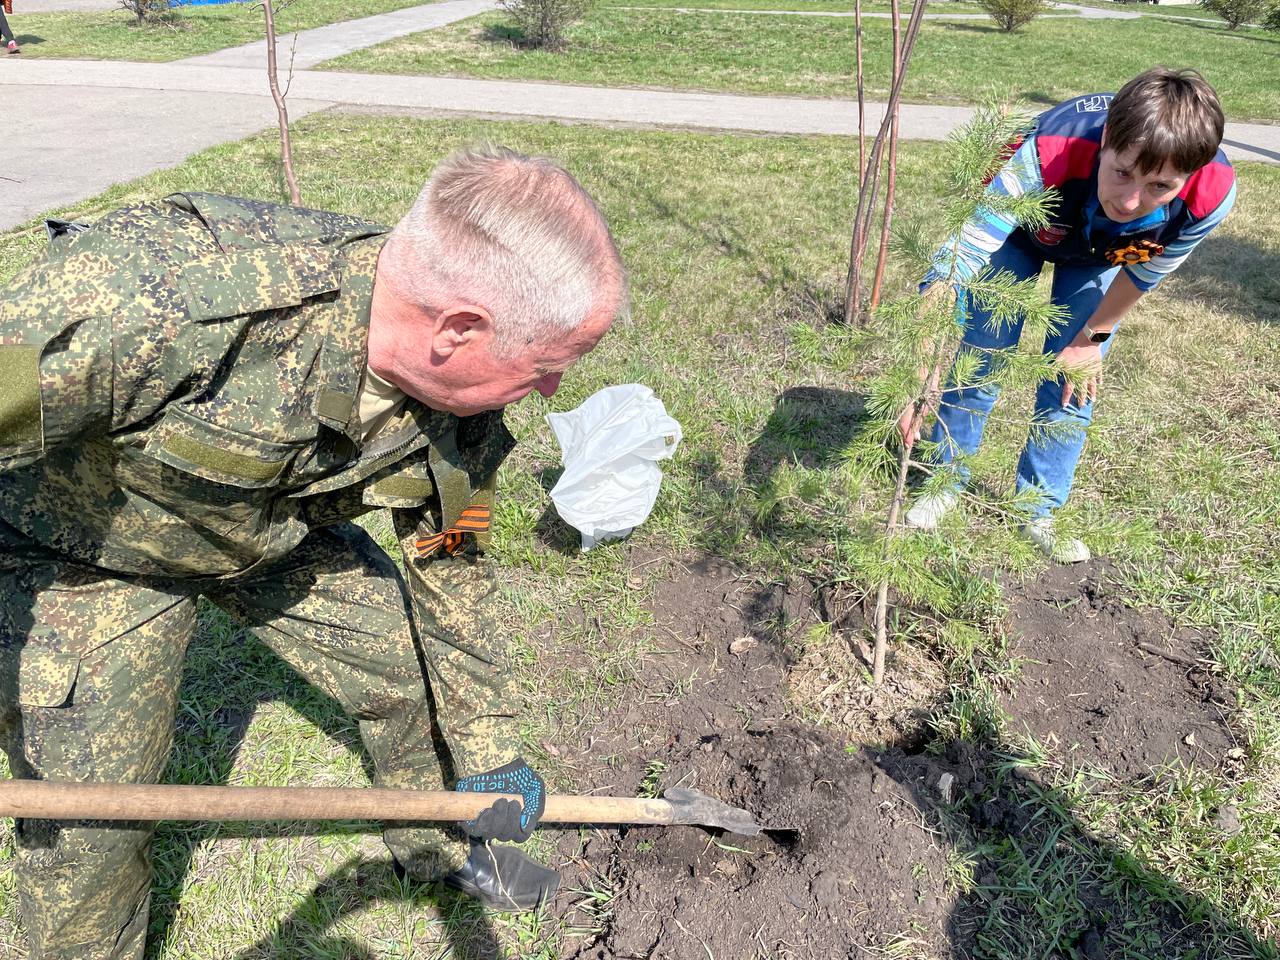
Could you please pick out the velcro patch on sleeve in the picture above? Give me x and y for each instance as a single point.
(20, 396)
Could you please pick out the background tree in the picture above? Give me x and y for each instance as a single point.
(1009, 15)
(869, 169)
(278, 95)
(543, 23)
(1239, 12)
(144, 10)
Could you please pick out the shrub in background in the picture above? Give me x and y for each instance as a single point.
(144, 10)
(1237, 12)
(544, 22)
(1009, 15)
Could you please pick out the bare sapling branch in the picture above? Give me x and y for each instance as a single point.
(282, 112)
(867, 195)
(886, 222)
(862, 97)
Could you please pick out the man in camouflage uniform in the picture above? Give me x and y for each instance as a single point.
(197, 395)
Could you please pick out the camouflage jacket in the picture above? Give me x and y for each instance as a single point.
(178, 393)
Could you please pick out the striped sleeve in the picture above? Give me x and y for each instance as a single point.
(986, 231)
(1146, 276)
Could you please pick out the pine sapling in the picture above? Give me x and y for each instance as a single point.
(920, 336)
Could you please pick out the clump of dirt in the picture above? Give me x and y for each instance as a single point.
(859, 869)
(1106, 685)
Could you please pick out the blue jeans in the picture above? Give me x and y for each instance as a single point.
(1048, 462)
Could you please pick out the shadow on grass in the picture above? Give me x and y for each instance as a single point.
(507, 35)
(969, 27)
(1044, 885)
(1228, 32)
(810, 299)
(1236, 275)
(810, 426)
(303, 934)
(550, 529)
(211, 728)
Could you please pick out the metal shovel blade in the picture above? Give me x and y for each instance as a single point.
(695, 807)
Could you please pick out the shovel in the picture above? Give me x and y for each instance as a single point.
(43, 800)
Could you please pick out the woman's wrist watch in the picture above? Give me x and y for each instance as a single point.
(1097, 336)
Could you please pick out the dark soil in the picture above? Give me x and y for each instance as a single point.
(861, 867)
(867, 864)
(1092, 693)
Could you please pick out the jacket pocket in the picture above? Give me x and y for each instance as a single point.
(217, 453)
(403, 486)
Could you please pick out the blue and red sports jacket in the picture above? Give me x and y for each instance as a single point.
(1061, 152)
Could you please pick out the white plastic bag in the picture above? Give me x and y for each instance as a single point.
(609, 447)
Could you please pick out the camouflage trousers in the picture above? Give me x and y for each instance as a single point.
(89, 672)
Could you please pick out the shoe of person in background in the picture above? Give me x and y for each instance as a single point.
(1041, 532)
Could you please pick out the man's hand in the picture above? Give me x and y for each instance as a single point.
(1082, 362)
(506, 819)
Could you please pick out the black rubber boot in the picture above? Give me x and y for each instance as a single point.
(504, 878)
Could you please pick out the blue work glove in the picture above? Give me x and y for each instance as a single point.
(506, 819)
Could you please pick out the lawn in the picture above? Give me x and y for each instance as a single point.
(1193, 10)
(803, 6)
(813, 56)
(735, 261)
(186, 32)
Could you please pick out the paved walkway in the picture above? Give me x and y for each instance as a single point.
(60, 6)
(74, 128)
(325, 43)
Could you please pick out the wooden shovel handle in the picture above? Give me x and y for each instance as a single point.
(43, 800)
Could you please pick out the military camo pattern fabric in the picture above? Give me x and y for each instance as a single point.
(178, 418)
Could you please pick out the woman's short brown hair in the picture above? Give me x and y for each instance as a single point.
(1170, 115)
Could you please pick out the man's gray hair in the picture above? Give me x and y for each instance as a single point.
(516, 235)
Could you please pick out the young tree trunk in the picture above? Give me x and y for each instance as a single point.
(282, 113)
(933, 377)
(887, 221)
(867, 196)
(862, 96)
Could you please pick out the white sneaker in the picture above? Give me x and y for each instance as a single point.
(928, 511)
(1058, 549)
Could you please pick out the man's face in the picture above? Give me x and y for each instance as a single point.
(1126, 192)
(461, 375)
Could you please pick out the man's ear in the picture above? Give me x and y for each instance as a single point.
(460, 326)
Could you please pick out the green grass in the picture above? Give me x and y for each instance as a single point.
(185, 32)
(1192, 10)
(807, 6)
(735, 264)
(813, 56)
